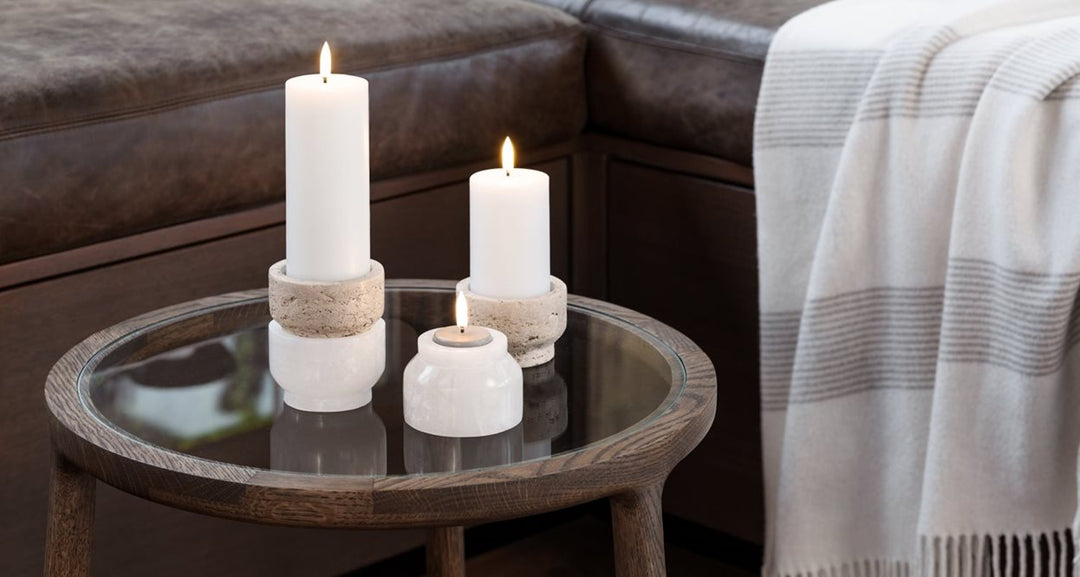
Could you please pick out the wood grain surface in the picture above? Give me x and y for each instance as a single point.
(638, 525)
(68, 534)
(446, 552)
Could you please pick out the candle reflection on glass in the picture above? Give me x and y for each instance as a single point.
(545, 414)
(342, 443)
(426, 453)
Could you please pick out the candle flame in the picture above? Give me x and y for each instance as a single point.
(324, 61)
(508, 156)
(461, 307)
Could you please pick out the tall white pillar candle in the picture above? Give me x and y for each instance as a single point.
(509, 238)
(327, 213)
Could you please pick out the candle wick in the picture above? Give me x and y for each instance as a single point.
(462, 330)
(324, 80)
(507, 172)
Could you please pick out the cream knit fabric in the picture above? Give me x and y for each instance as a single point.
(918, 183)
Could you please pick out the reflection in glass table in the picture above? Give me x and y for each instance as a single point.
(216, 399)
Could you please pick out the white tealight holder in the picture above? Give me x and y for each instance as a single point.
(462, 382)
(327, 374)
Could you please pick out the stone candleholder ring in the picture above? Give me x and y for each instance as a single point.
(326, 309)
(532, 325)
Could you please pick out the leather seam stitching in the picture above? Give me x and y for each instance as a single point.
(676, 45)
(251, 89)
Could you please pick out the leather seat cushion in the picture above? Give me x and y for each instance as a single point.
(681, 73)
(120, 117)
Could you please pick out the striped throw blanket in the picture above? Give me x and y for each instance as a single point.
(918, 188)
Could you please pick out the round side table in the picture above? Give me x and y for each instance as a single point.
(177, 406)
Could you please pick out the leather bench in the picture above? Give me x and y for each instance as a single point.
(681, 73)
(125, 116)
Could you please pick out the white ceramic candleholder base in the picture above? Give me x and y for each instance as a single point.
(326, 309)
(462, 392)
(327, 374)
(532, 325)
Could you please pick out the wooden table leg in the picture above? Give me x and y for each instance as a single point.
(446, 552)
(638, 522)
(69, 529)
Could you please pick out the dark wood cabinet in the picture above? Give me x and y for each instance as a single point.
(683, 249)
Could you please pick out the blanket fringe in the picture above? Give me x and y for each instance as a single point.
(1047, 554)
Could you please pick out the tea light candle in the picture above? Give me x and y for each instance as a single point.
(462, 336)
(327, 188)
(462, 381)
(509, 236)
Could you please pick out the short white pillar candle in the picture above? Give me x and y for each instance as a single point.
(509, 231)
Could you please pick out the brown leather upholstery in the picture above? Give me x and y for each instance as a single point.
(681, 73)
(575, 7)
(120, 117)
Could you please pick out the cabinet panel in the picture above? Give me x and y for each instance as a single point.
(683, 249)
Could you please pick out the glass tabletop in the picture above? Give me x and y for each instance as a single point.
(212, 396)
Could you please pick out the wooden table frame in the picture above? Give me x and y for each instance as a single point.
(629, 467)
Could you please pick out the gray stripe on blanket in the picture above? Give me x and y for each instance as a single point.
(801, 107)
(895, 337)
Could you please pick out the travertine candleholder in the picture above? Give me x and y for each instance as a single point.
(326, 309)
(327, 340)
(532, 325)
